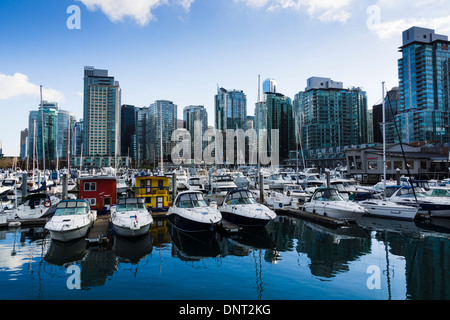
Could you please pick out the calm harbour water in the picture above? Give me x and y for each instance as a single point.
(290, 259)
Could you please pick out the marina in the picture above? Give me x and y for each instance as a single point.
(262, 239)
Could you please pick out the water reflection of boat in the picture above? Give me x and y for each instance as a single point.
(133, 249)
(61, 253)
(194, 246)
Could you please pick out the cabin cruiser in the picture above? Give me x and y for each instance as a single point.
(241, 208)
(277, 181)
(433, 206)
(35, 206)
(278, 200)
(295, 191)
(220, 187)
(389, 209)
(131, 218)
(71, 221)
(191, 213)
(328, 202)
(121, 186)
(195, 184)
(7, 186)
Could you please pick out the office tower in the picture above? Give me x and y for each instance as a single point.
(391, 110)
(66, 120)
(331, 116)
(193, 115)
(128, 131)
(101, 114)
(424, 86)
(23, 143)
(230, 110)
(270, 85)
(77, 138)
(1, 149)
(47, 115)
(279, 116)
(144, 133)
(163, 114)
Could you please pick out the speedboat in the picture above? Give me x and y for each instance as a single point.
(121, 186)
(71, 221)
(241, 208)
(295, 191)
(388, 209)
(428, 205)
(328, 202)
(131, 218)
(191, 213)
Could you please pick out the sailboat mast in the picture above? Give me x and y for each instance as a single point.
(42, 132)
(384, 144)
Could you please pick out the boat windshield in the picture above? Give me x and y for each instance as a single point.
(240, 197)
(328, 195)
(408, 192)
(440, 193)
(131, 207)
(71, 208)
(191, 200)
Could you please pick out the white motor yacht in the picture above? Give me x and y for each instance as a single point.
(388, 209)
(131, 218)
(241, 208)
(35, 206)
(71, 221)
(191, 213)
(328, 202)
(220, 187)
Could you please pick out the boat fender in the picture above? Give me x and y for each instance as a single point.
(47, 203)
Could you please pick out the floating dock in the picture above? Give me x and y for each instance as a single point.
(313, 217)
(229, 227)
(100, 231)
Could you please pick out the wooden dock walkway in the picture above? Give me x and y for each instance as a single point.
(100, 230)
(313, 217)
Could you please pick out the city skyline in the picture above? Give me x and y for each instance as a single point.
(182, 50)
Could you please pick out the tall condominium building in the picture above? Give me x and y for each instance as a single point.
(331, 116)
(424, 86)
(23, 143)
(279, 116)
(42, 128)
(64, 133)
(192, 116)
(77, 138)
(230, 110)
(164, 122)
(128, 131)
(144, 135)
(101, 114)
(391, 110)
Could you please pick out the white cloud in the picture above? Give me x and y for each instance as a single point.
(19, 85)
(398, 16)
(139, 10)
(324, 10)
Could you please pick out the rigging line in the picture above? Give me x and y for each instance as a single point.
(403, 151)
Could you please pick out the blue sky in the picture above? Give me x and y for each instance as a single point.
(181, 50)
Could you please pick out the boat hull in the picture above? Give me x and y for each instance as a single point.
(244, 221)
(69, 235)
(131, 232)
(189, 225)
(333, 212)
(389, 211)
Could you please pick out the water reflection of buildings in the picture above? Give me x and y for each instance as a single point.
(330, 250)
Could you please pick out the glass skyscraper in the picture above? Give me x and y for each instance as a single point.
(230, 110)
(163, 114)
(424, 86)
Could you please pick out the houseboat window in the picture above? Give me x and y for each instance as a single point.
(160, 184)
(398, 165)
(107, 201)
(90, 186)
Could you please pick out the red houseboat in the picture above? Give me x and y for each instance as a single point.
(99, 191)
